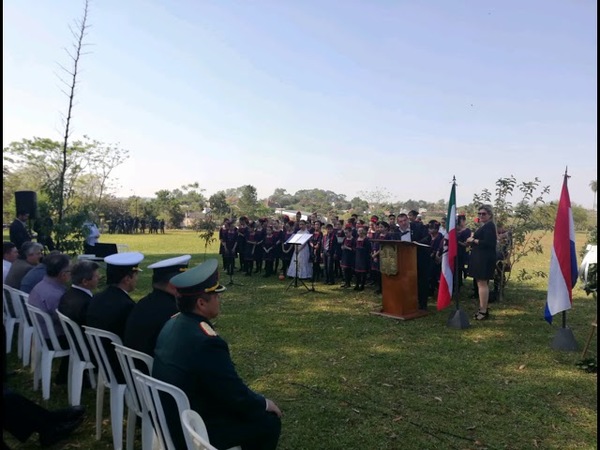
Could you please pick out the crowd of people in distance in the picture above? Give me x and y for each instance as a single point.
(135, 225)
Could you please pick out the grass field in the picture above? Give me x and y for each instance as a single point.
(347, 379)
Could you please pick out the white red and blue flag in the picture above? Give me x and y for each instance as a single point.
(563, 261)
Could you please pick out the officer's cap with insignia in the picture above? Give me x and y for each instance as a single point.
(202, 279)
(166, 269)
(121, 264)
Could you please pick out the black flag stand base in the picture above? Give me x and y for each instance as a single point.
(564, 339)
(458, 319)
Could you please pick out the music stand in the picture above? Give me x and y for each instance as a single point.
(298, 240)
(231, 269)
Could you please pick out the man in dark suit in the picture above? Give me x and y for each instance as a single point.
(419, 230)
(74, 303)
(150, 314)
(190, 355)
(18, 231)
(110, 308)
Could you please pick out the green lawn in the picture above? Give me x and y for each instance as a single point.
(347, 379)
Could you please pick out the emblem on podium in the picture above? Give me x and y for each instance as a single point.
(389, 259)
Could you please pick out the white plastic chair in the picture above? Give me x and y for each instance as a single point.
(79, 360)
(127, 358)
(47, 353)
(18, 300)
(29, 351)
(195, 432)
(151, 389)
(9, 316)
(107, 379)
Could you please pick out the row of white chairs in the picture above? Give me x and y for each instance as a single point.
(140, 392)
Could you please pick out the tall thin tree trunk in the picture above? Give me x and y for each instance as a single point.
(78, 34)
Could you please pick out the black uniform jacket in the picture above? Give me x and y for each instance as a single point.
(147, 319)
(108, 311)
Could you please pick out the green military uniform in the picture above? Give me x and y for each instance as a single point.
(190, 355)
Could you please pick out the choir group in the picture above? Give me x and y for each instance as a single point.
(339, 250)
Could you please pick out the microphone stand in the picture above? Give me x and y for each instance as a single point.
(230, 270)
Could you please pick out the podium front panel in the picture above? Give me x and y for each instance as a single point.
(399, 286)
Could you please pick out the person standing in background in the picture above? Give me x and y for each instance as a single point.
(482, 263)
(92, 235)
(18, 231)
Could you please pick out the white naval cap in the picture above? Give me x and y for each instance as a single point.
(127, 259)
(166, 269)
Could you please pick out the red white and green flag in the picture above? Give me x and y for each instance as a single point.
(449, 257)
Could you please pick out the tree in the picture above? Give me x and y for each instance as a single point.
(378, 200)
(527, 220)
(206, 231)
(78, 34)
(248, 203)
(38, 164)
(218, 204)
(594, 188)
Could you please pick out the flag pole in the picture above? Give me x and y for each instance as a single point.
(563, 271)
(458, 318)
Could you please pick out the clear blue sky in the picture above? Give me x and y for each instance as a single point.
(348, 96)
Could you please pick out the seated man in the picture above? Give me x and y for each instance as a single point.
(30, 255)
(190, 355)
(85, 276)
(109, 309)
(46, 296)
(10, 255)
(150, 314)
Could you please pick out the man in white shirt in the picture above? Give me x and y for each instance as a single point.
(10, 254)
(92, 234)
(403, 232)
(85, 276)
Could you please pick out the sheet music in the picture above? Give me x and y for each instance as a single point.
(299, 238)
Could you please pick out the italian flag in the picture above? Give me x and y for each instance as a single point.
(449, 257)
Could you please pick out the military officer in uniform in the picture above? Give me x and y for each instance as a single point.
(150, 314)
(110, 308)
(192, 356)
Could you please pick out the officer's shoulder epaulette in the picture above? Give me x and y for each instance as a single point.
(207, 329)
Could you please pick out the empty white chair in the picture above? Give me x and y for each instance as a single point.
(10, 317)
(195, 432)
(151, 389)
(79, 360)
(48, 351)
(107, 379)
(132, 359)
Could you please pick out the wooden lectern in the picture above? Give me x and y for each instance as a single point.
(398, 265)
